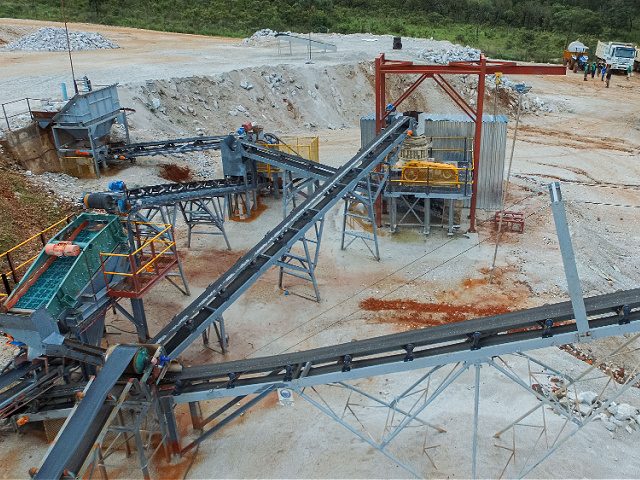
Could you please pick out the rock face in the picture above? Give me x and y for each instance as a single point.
(50, 39)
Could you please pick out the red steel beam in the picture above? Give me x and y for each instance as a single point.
(472, 69)
(406, 93)
(380, 87)
(456, 97)
(481, 68)
(477, 143)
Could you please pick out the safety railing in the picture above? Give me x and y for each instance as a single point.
(430, 176)
(305, 147)
(17, 260)
(8, 117)
(154, 257)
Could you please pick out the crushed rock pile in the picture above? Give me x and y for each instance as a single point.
(49, 39)
(584, 404)
(507, 91)
(456, 53)
(266, 35)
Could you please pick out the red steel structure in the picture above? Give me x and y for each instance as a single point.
(480, 67)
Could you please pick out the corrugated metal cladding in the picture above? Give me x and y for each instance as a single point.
(367, 129)
(492, 152)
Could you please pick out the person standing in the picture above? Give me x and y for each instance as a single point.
(586, 70)
(608, 77)
(629, 69)
(593, 69)
(603, 72)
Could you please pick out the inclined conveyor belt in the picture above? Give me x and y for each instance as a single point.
(76, 439)
(217, 297)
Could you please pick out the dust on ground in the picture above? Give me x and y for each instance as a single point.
(472, 298)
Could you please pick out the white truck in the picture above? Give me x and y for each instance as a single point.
(619, 55)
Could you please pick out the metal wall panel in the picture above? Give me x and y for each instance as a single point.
(367, 129)
(492, 153)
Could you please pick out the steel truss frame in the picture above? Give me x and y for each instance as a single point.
(205, 212)
(365, 195)
(406, 411)
(133, 422)
(303, 265)
(411, 202)
(481, 68)
(421, 394)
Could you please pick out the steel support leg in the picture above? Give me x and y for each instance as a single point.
(169, 427)
(427, 216)
(476, 409)
(451, 211)
(568, 259)
(140, 319)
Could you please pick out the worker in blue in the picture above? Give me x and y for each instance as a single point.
(603, 72)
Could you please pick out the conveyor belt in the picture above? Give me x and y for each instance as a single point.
(164, 147)
(170, 193)
(75, 440)
(286, 161)
(507, 329)
(218, 296)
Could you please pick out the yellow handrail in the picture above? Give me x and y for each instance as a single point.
(23, 264)
(36, 235)
(143, 266)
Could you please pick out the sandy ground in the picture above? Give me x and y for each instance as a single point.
(591, 145)
(146, 55)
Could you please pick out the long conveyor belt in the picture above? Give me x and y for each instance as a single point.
(260, 153)
(164, 147)
(483, 337)
(218, 296)
(74, 442)
(170, 193)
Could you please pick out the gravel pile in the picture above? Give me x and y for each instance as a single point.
(51, 39)
(456, 53)
(508, 93)
(266, 35)
(587, 404)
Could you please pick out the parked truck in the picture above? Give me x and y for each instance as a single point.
(575, 56)
(619, 55)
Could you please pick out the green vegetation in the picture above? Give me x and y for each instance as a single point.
(513, 29)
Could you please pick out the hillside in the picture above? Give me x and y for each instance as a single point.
(518, 29)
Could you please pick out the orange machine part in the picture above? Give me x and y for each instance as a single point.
(62, 249)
